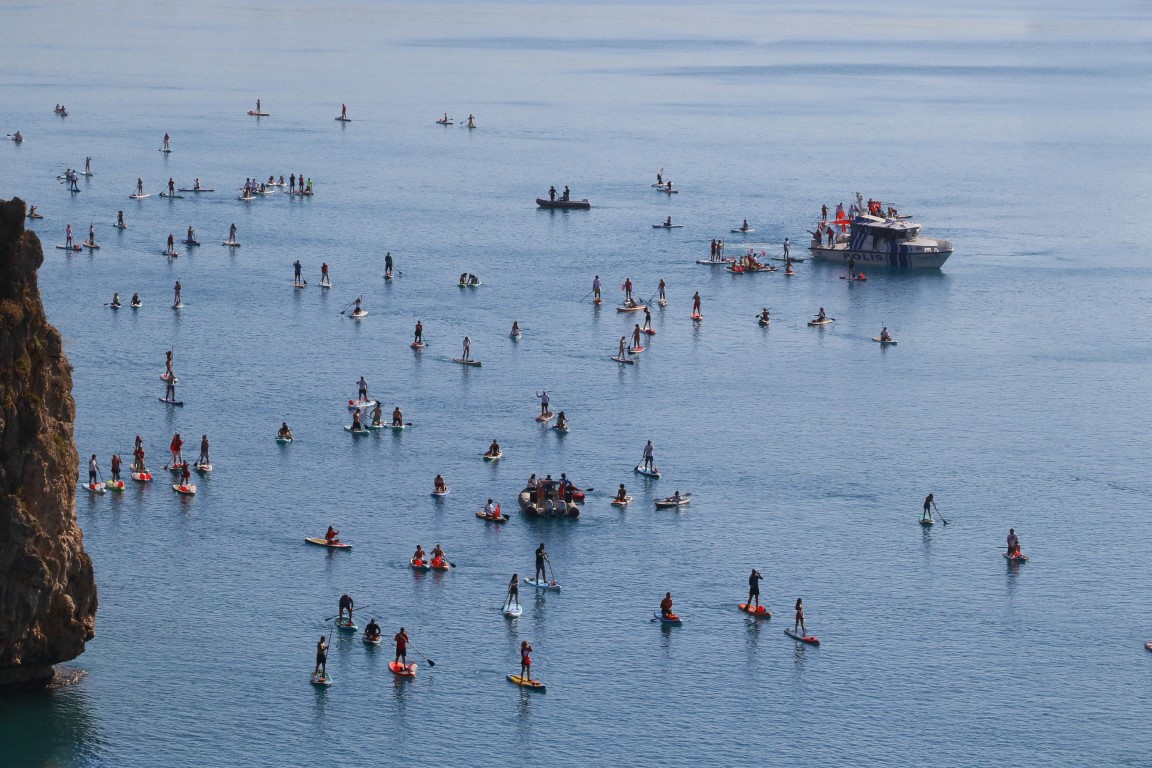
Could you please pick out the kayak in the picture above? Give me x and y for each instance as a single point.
(170, 402)
(142, 477)
(444, 492)
(401, 670)
(512, 611)
(346, 625)
(884, 341)
(624, 360)
(546, 417)
(667, 621)
(667, 226)
(654, 472)
(1015, 558)
(810, 639)
(498, 518)
(618, 503)
(321, 542)
(744, 231)
(542, 584)
(856, 279)
(358, 432)
(344, 119)
(318, 679)
(186, 490)
(35, 216)
(171, 197)
(417, 345)
(95, 487)
(372, 641)
(684, 501)
(354, 404)
(532, 685)
(759, 611)
(230, 244)
(491, 457)
(419, 567)
(462, 361)
(825, 321)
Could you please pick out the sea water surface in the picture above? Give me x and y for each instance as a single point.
(1018, 392)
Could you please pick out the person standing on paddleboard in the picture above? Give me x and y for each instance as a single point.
(401, 639)
(419, 333)
(170, 390)
(168, 365)
(324, 274)
(647, 318)
(185, 475)
(649, 462)
(929, 503)
(346, 604)
(321, 657)
(696, 303)
(296, 277)
(541, 558)
(164, 146)
(467, 347)
(525, 662)
(116, 467)
(754, 587)
(232, 234)
(544, 401)
(1013, 540)
(513, 592)
(177, 288)
(203, 457)
(799, 623)
(623, 351)
(93, 470)
(636, 336)
(660, 291)
(786, 247)
(596, 289)
(388, 265)
(362, 390)
(627, 288)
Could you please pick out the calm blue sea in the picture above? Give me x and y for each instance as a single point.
(1018, 392)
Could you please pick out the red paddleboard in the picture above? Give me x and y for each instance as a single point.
(402, 671)
(649, 331)
(810, 639)
(636, 350)
(697, 316)
(759, 611)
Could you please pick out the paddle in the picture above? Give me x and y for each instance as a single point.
(350, 305)
(941, 516)
(430, 662)
(587, 295)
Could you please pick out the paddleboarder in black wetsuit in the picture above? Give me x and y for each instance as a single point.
(419, 333)
(388, 264)
(929, 503)
(321, 657)
(541, 559)
(346, 604)
(552, 193)
(296, 279)
(754, 587)
(513, 592)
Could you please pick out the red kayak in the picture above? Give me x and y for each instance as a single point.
(758, 611)
(402, 671)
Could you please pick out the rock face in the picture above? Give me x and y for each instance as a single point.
(47, 590)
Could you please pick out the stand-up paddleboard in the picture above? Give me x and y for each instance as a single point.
(532, 685)
(189, 189)
(358, 432)
(926, 521)
(136, 305)
(443, 567)
(884, 342)
(283, 440)
(116, 486)
(139, 197)
(170, 254)
(854, 279)
(114, 306)
(758, 611)
(462, 361)
(635, 350)
(618, 503)
(716, 262)
(443, 493)
(342, 119)
(649, 331)
(546, 417)
(354, 404)
(346, 625)
(444, 122)
(792, 259)
(90, 246)
(515, 335)
(1015, 558)
(624, 360)
(743, 231)
(697, 316)
(667, 621)
(668, 191)
(358, 315)
(200, 467)
(809, 639)
(190, 243)
(375, 426)
(663, 302)
(493, 457)
(562, 429)
(417, 345)
(626, 308)
(94, 487)
(421, 567)
(184, 490)
(68, 247)
(165, 151)
(654, 472)
(142, 477)
(399, 427)
(231, 243)
(684, 501)
(323, 680)
(825, 321)
(171, 197)
(469, 285)
(763, 323)
(254, 113)
(499, 517)
(179, 305)
(542, 584)
(512, 611)
(1148, 646)
(170, 402)
(372, 640)
(321, 542)
(667, 226)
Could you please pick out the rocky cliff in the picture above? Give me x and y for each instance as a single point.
(47, 590)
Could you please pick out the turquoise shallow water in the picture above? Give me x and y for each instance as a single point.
(1017, 393)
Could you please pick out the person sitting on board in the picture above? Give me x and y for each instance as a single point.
(525, 662)
(494, 449)
(357, 426)
(115, 304)
(463, 278)
(473, 280)
(441, 486)
(418, 555)
(561, 421)
(1013, 543)
(668, 223)
(622, 494)
(372, 631)
(676, 498)
(346, 604)
(884, 335)
(754, 588)
(861, 276)
(281, 182)
(666, 606)
(764, 316)
(799, 622)
(376, 413)
(490, 509)
(744, 226)
(284, 432)
(397, 417)
(515, 327)
(437, 557)
(332, 535)
(321, 658)
(929, 503)
(821, 315)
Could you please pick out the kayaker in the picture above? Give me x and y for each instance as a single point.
(627, 288)
(203, 457)
(362, 390)
(418, 555)
(754, 587)
(660, 291)
(93, 470)
(136, 300)
(636, 336)
(696, 303)
(467, 347)
(649, 463)
(437, 557)
(388, 265)
(513, 592)
(372, 631)
(799, 623)
(541, 558)
(284, 433)
(116, 467)
(596, 289)
(666, 606)
(1013, 541)
(441, 486)
(419, 339)
(544, 401)
(676, 498)
(357, 426)
(884, 335)
(622, 494)
(525, 662)
(401, 639)
(332, 535)
(346, 604)
(321, 657)
(376, 413)
(177, 448)
(397, 417)
(561, 421)
(494, 449)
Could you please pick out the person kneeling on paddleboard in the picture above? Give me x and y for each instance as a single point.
(331, 535)
(440, 485)
(397, 417)
(884, 335)
(284, 432)
(376, 413)
(418, 555)
(346, 604)
(494, 449)
(561, 421)
(357, 426)
(666, 606)
(372, 631)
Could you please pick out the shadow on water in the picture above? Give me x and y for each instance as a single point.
(52, 727)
